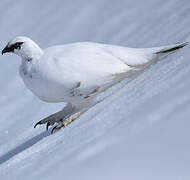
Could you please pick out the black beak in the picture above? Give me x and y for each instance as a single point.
(7, 49)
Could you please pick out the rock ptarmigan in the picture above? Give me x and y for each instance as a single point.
(76, 73)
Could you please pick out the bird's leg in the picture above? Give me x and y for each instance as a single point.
(77, 111)
(57, 117)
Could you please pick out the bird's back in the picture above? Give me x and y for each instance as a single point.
(129, 56)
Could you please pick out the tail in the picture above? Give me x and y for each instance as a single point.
(151, 55)
(171, 48)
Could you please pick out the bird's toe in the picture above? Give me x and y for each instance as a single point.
(38, 123)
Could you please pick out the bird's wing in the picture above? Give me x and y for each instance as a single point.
(83, 63)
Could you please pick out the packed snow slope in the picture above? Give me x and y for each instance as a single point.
(140, 132)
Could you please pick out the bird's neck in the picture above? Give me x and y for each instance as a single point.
(32, 51)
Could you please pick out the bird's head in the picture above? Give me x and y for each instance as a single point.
(23, 46)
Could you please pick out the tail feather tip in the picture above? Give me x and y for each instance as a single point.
(175, 47)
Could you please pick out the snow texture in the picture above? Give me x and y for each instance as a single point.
(141, 131)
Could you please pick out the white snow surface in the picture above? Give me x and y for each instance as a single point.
(140, 132)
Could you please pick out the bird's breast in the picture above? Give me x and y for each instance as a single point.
(44, 85)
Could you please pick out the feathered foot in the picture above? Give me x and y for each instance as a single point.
(64, 117)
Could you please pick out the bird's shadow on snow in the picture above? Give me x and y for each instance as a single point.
(5, 157)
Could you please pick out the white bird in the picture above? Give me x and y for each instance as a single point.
(76, 73)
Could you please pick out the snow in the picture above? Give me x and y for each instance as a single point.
(139, 132)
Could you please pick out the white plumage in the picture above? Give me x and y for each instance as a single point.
(75, 73)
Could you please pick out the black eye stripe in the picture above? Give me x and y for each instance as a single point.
(17, 45)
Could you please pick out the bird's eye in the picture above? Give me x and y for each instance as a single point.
(17, 45)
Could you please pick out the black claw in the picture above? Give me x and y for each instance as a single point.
(47, 125)
(53, 130)
(38, 123)
(57, 128)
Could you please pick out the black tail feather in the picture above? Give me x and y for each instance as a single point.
(172, 49)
